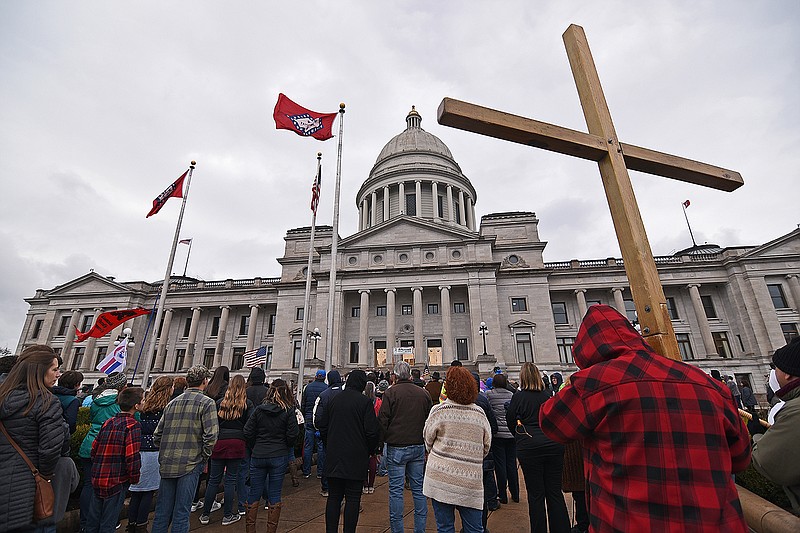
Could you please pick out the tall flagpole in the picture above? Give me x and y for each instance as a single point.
(186, 266)
(687, 223)
(163, 298)
(304, 340)
(334, 246)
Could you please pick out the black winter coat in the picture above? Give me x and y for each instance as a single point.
(41, 434)
(271, 431)
(530, 439)
(350, 430)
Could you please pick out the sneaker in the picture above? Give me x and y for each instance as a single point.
(215, 507)
(371, 490)
(196, 506)
(365, 490)
(266, 506)
(228, 520)
(204, 519)
(307, 475)
(242, 511)
(323, 493)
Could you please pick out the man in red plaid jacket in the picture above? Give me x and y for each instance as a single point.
(660, 437)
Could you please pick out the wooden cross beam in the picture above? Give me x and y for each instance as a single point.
(602, 145)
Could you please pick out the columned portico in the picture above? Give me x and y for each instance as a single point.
(794, 287)
(223, 330)
(363, 329)
(89, 353)
(702, 320)
(580, 296)
(447, 324)
(69, 338)
(251, 328)
(420, 354)
(161, 352)
(619, 301)
(391, 328)
(188, 360)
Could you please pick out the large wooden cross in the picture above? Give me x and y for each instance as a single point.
(614, 159)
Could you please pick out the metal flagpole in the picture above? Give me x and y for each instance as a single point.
(187, 257)
(304, 340)
(163, 298)
(687, 223)
(334, 245)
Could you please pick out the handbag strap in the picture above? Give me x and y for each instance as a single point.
(34, 470)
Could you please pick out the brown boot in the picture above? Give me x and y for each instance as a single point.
(294, 474)
(273, 517)
(250, 517)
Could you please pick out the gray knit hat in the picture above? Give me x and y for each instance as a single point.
(196, 374)
(115, 380)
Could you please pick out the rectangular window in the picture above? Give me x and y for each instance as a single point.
(355, 312)
(778, 298)
(380, 310)
(244, 325)
(187, 325)
(86, 322)
(208, 357)
(354, 352)
(101, 353)
(440, 206)
(564, 345)
(407, 309)
(462, 353)
(459, 307)
(238, 358)
(684, 346)
(630, 311)
(215, 326)
(433, 309)
(77, 360)
(708, 306)
(519, 305)
(269, 356)
(180, 355)
(411, 204)
(271, 327)
(560, 313)
(673, 312)
(37, 328)
(456, 211)
(721, 344)
(296, 353)
(524, 347)
(789, 332)
(299, 313)
(62, 327)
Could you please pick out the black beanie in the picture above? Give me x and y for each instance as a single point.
(788, 358)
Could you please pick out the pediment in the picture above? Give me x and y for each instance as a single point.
(406, 230)
(91, 283)
(522, 324)
(783, 246)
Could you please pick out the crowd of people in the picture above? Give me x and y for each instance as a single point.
(641, 442)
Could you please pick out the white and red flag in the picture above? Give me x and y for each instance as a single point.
(115, 360)
(173, 191)
(304, 122)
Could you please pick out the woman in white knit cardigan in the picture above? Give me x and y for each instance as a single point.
(457, 438)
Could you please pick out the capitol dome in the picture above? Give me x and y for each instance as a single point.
(415, 175)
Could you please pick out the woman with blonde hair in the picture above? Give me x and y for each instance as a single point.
(233, 411)
(270, 432)
(142, 493)
(541, 459)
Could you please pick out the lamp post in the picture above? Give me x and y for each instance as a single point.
(483, 329)
(127, 339)
(315, 336)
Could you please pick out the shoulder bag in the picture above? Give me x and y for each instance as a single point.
(44, 499)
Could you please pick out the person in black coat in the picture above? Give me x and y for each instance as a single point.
(350, 431)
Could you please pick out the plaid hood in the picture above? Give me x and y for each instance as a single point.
(605, 334)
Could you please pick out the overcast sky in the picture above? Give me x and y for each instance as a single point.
(103, 105)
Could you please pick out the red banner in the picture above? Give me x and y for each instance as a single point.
(107, 321)
(173, 191)
(304, 122)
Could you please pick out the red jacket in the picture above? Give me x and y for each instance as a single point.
(661, 438)
(115, 455)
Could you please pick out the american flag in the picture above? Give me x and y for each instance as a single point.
(315, 189)
(255, 357)
(426, 373)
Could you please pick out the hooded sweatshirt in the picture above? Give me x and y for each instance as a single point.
(661, 438)
(271, 430)
(103, 407)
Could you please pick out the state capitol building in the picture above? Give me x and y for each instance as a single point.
(417, 280)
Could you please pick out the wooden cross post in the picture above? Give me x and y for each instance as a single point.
(614, 159)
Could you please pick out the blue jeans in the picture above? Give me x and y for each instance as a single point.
(104, 512)
(382, 470)
(312, 442)
(86, 491)
(402, 461)
(269, 472)
(242, 486)
(231, 469)
(174, 501)
(445, 514)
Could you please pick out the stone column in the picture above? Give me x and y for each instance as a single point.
(162, 341)
(472, 212)
(447, 325)
(419, 197)
(401, 198)
(251, 330)
(450, 214)
(363, 329)
(462, 212)
(88, 354)
(69, 339)
(420, 353)
(223, 330)
(373, 209)
(619, 302)
(190, 344)
(702, 320)
(469, 213)
(386, 203)
(390, 326)
(580, 296)
(361, 225)
(794, 288)
(435, 194)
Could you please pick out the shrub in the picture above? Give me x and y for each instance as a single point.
(83, 415)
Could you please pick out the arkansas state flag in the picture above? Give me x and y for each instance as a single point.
(107, 321)
(302, 121)
(173, 191)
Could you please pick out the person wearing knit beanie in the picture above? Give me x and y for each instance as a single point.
(787, 360)
(115, 380)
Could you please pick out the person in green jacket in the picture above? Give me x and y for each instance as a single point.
(104, 406)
